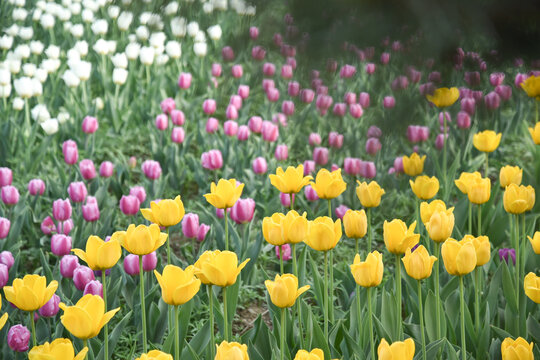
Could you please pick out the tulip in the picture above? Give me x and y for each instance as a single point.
(184, 81)
(129, 204)
(140, 240)
(151, 169)
(68, 264)
(255, 124)
(355, 224)
(340, 211)
(231, 350)
(510, 175)
(155, 355)
(328, 185)
(212, 160)
(418, 263)
(58, 349)
(290, 181)
(281, 153)
(532, 86)
(516, 199)
(413, 165)
(178, 118)
(369, 272)
(6, 258)
(479, 190)
(162, 122)
(486, 141)
(18, 338)
(364, 101)
(60, 244)
(403, 350)
(505, 254)
(5, 225)
(518, 349)
(190, 225)
(531, 284)
(444, 97)
(10, 195)
(177, 286)
(466, 180)
(425, 187)
(284, 290)
(51, 307)
(77, 192)
(100, 255)
(492, 100)
(269, 131)
(36, 187)
(243, 133)
(90, 211)
(320, 155)
(397, 237)
(428, 209)
(30, 284)
(259, 165)
(243, 91)
(6, 176)
(272, 229)
(440, 225)
(82, 275)
(90, 125)
(459, 257)
(94, 287)
(106, 169)
(482, 248)
(165, 213)
(389, 102)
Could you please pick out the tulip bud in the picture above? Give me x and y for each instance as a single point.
(162, 122)
(130, 204)
(36, 187)
(253, 32)
(68, 264)
(492, 100)
(243, 210)
(496, 79)
(504, 91)
(389, 102)
(77, 193)
(151, 169)
(167, 105)
(385, 58)
(178, 118)
(227, 53)
(18, 338)
(368, 169)
(269, 131)
(149, 261)
(209, 106)
(93, 287)
(203, 230)
(368, 273)
(293, 88)
(47, 226)
(373, 145)
(506, 254)
(131, 264)
(216, 70)
(282, 152)
(5, 225)
(6, 176)
(190, 225)
(178, 135)
(138, 192)
(6, 258)
(90, 125)
(307, 96)
(60, 244)
(10, 195)
(106, 169)
(243, 91)
(237, 71)
(272, 94)
(370, 68)
(212, 160)
(184, 80)
(287, 107)
(82, 275)
(286, 249)
(4, 275)
(90, 211)
(320, 155)
(51, 307)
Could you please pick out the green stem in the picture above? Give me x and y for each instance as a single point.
(444, 156)
(479, 220)
(225, 317)
(143, 307)
(369, 230)
(486, 172)
(462, 311)
(477, 300)
(297, 304)
(356, 245)
(26, 114)
(168, 248)
(437, 290)
(518, 264)
(226, 231)
(282, 340)
(370, 316)
(85, 345)
(212, 337)
(176, 334)
(331, 308)
(522, 270)
(281, 259)
(169, 312)
(105, 328)
(421, 309)
(32, 323)
(398, 296)
(358, 309)
(291, 197)
(470, 218)
(325, 295)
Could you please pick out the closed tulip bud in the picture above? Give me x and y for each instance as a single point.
(492, 100)
(50, 309)
(131, 265)
(466, 180)
(463, 120)
(269, 131)
(178, 118)
(203, 230)
(323, 233)
(369, 194)
(129, 204)
(230, 127)
(397, 237)
(231, 350)
(190, 225)
(428, 209)
(106, 169)
(402, 350)
(99, 254)
(224, 194)
(5, 225)
(418, 263)
(535, 133)
(284, 290)
(504, 92)
(293, 227)
(10, 195)
(340, 109)
(212, 125)
(482, 248)
(60, 244)
(350, 98)
(151, 169)
(82, 275)
(320, 155)
(184, 81)
(18, 338)
(373, 145)
(243, 91)
(355, 224)
(243, 210)
(90, 125)
(340, 211)
(93, 287)
(310, 193)
(307, 96)
(518, 349)
(413, 165)
(272, 229)
(4, 278)
(140, 240)
(486, 141)
(389, 102)
(479, 191)
(218, 268)
(309, 167)
(178, 135)
(441, 225)
(269, 69)
(162, 122)
(237, 71)
(507, 254)
(368, 273)
(314, 139)
(177, 286)
(259, 165)
(68, 264)
(531, 284)
(88, 171)
(90, 211)
(510, 175)
(77, 193)
(6, 258)
(149, 261)
(286, 249)
(459, 257)
(329, 185)
(209, 106)
(425, 187)
(468, 105)
(6, 176)
(535, 242)
(36, 187)
(516, 199)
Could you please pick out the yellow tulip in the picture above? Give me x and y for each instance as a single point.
(355, 223)
(441, 225)
(397, 237)
(428, 209)
(535, 133)
(369, 194)
(4, 317)
(425, 187)
(85, 319)
(459, 257)
(315, 354)
(294, 228)
(155, 355)
(399, 350)
(531, 198)
(413, 165)
(482, 247)
(466, 180)
(510, 175)
(218, 268)
(100, 255)
(290, 181)
(178, 286)
(531, 284)
(535, 242)
(479, 191)
(140, 240)
(224, 194)
(487, 141)
(368, 273)
(323, 233)
(166, 212)
(516, 199)
(31, 292)
(518, 349)
(532, 87)
(444, 97)
(231, 351)
(329, 185)
(284, 290)
(418, 263)
(59, 349)
(271, 228)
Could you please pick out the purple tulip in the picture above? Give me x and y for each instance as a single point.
(243, 210)
(93, 287)
(68, 264)
(507, 254)
(51, 307)
(82, 275)
(18, 338)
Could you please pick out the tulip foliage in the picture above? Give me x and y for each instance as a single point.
(182, 180)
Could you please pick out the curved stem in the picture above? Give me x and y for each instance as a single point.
(437, 290)
(225, 317)
(32, 323)
(325, 295)
(226, 231)
(370, 316)
(176, 334)
(398, 296)
(282, 342)
(106, 327)
(143, 307)
(212, 337)
(462, 311)
(369, 230)
(421, 308)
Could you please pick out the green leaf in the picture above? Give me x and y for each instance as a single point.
(509, 288)
(114, 336)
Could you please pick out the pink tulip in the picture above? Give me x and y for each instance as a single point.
(212, 160)
(70, 151)
(293, 88)
(243, 133)
(364, 100)
(162, 122)
(307, 96)
(374, 131)
(216, 70)
(209, 106)
(385, 58)
(320, 155)
(168, 105)
(106, 169)
(519, 79)
(220, 213)
(10, 195)
(258, 53)
(400, 83)
(51, 307)
(82, 275)
(351, 166)
(236, 101)
(340, 109)
(190, 225)
(426, 89)
(4, 275)
(90, 125)
(243, 210)
(285, 199)
(87, 169)
(442, 116)
(231, 113)
(278, 39)
(90, 211)
(286, 250)
(230, 127)
(281, 153)
(321, 89)
(492, 100)
(269, 131)
(6, 258)
(331, 65)
(139, 192)
(463, 120)
(47, 226)
(434, 77)
(347, 71)
(368, 170)
(468, 105)
(178, 118)
(373, 145)
(68, 264)
(414, 75)
(93, 287)
(335, 140)
(341, 210)
(6, 176)
(496, 79)
(269, 69)
(129, 205)
(149, 261)
(62, 209)
(131, 264)
(472, 78)
(350, 98)
(18, 338)
(370, 68)
(389, 102)
(184, 80)
(309, 167)
(36, 187)
(212, 125)
(253, 32)
(203, 230)
(5, 224)
(77, 192)
(286, 71)
(310, 193)
(272, 94)
(287, 107)
(398, 164)
(356, 110)
(255, 124)
(439, 141)
(237, 71)
(504, 91)
(151, 169)
(243, 91)
(314, 139)
(60, 244)
(259, 165)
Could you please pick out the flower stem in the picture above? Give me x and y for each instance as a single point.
(444, 157)
(437, 290)
(369, 230)
(297, 304)
(358, 309)
(470, 218)
(421, 305)
(143, 307)
(398, 296)
(168, 248)
(370, 316)
(226, 231)
(169, 312)
(85, 344)
(106, 327)
(331, 308)
(212, 337)
(462, 311)
(225, 317)
(356, 245)
(479, 220)
(32, 323)
(522, 271)
(176, 334)
(281, 259)
(477, 300)
(325, 295)
(282, 342)
(486, 172)
(518, 265)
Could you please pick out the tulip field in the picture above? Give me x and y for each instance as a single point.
(182, 180)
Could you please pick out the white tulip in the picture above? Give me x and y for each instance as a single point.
(6, 42)
(52, 8)
(77, 30)
(36, 15)
(100, 27)
(155, 22)
(251, 10)
(178, 26)
(13, 30)
(52, 52)
(200, 37)
(112, 46)
(36, 47)
(40, 113)
(82, 69)
(147, 55)
(64, 14)
(75, 8)
(29, 69)
(144, 17)
(126, 2)
(124, 20)
(14, 65)
(47, 21)
(20, 3)
(50, 65)
(119, 76)
(50, 126)
(19, 14)
(91, 5)
(26, 33)
(219, 4)
(70, 79)
(18, 104)
(41, 75)
(62, 116)
(113, 11)
(87, 15)
(66, 2)
(5, 76)
(158, 39)
(132, 38)
(142, 32)
(120, 60)
(73, 55)
(5, 91)
(37, 88)
(22, 51)
(67, 26)
(173, 49)
(208, 8)
(132, 50)
(101, 47)
(200, 49)
(171, 8)
(81, 47)
(23, 87)
(98, 102)
(162, 59)
(192, 28)
(214, 32)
